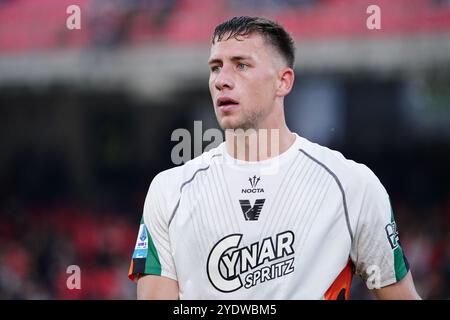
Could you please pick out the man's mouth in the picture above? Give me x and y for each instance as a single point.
(226, 103)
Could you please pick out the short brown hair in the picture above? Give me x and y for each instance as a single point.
(272, 32)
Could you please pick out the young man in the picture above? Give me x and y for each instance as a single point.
(267, 214)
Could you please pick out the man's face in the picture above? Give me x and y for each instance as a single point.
(243, 81)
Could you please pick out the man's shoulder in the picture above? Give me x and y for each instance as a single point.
(165, 188)
(346, 170)
(175, 177)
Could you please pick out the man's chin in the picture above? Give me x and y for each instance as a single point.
(229, 123)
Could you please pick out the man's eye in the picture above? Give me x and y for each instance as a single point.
(215, 68)
(241, 66)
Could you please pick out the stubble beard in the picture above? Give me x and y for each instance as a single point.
(249, 120)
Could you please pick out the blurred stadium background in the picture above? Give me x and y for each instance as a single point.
(86, 118)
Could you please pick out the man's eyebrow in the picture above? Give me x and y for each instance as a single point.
(243, 57)
(234, 58)
(214, 61)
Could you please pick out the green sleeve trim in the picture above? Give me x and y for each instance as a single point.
(145, 254)
(152, 265)
(400, 265)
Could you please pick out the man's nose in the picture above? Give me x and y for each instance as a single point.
(224, 80)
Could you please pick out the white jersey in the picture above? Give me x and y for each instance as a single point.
(296, 226)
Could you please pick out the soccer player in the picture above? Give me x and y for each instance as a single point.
(284, 218)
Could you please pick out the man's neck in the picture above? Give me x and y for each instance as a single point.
(258, 144)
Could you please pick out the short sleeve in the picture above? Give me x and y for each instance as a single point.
(376, 252)
(152, 252)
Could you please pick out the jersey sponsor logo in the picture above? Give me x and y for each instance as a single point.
(392, 234)
(143, 235)
(255, 190)
(231, 267)
(142, 241)
(252, 213)
(140, 250)
(253, 183)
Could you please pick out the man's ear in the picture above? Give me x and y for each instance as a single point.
(285, 82)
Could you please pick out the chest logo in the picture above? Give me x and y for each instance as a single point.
(253, 186)
(231, 266)
(251, 213)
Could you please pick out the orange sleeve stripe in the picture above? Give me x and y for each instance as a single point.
(342, 282)
(131, 276)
